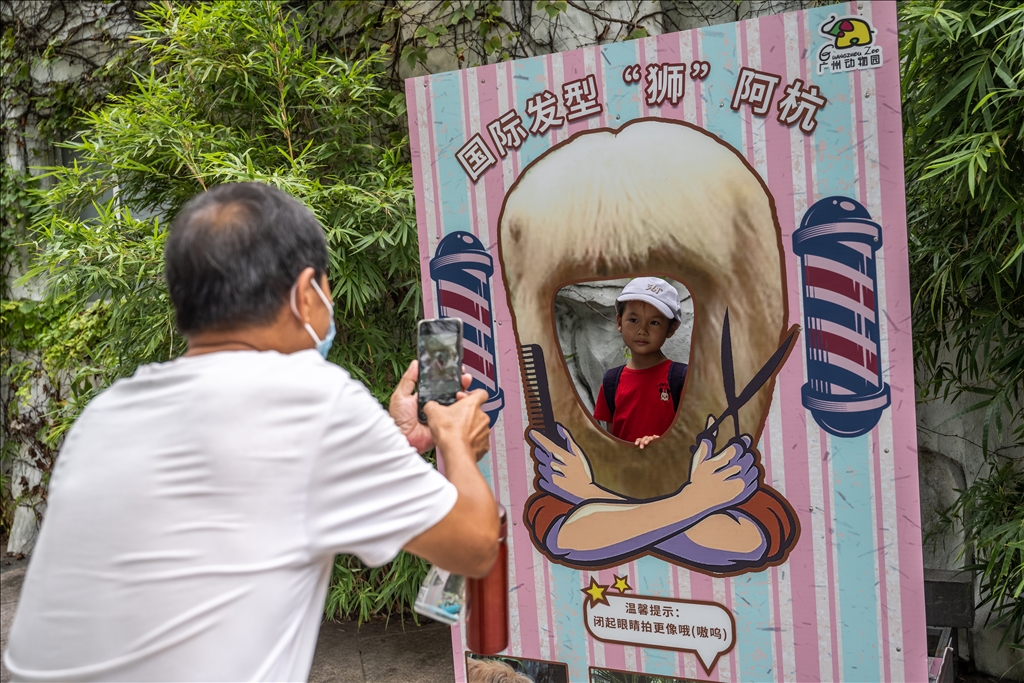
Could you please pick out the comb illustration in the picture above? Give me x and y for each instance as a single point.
(537, 393)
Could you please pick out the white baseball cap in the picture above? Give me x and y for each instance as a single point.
(654, 291)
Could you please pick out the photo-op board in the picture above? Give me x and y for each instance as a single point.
(772, 531)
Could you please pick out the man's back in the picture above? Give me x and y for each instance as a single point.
(194, 514)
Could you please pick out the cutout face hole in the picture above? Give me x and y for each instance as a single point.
(592, 344)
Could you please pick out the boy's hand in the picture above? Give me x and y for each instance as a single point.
(404, 409)
(726, 479)
(644, 440)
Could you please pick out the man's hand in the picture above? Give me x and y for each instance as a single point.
(726, 479)
(462, 424)
(404, 409)
(466, 540)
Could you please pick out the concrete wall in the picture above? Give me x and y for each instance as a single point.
(950, 458)
(83, 32)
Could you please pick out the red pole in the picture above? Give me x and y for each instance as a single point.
(487, 623)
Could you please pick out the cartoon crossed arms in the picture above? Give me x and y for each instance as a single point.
(703, 524)
(723, 520)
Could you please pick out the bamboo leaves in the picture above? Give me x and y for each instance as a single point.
(226, 92)
(238, 92)
(963, 63)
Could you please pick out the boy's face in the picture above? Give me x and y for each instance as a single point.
(644, 328)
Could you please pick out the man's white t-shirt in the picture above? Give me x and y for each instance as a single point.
(194, 514)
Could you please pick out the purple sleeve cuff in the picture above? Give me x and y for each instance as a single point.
(668, 542)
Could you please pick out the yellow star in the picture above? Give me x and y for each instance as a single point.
(596, 593)
(621, 585)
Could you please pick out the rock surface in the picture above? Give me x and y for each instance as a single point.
(950, 458)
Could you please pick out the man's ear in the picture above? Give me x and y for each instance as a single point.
(618, 322)
(304, 295)
(672, 327)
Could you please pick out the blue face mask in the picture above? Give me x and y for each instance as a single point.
(322, 345)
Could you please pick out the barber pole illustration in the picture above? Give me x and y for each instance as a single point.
(836, 242)
(461, 270)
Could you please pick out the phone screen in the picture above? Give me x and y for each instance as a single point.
(440, 362)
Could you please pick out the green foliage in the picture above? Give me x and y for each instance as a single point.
(23, 425)
(103, 275)
(15, 199)
(237, 91)
(360, 592)
(70, 346)
(48, 365)
(991, 513)
(16, 211)
(475, 31)
(552, 7)
(963, 118)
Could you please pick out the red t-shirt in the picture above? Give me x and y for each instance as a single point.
(643, 403)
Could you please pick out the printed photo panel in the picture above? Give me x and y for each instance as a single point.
(655, 197)
(771, 532)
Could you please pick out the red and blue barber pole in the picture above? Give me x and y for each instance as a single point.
(461, 270)
(836, 242)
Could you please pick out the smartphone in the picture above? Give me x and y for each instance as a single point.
(440, 362)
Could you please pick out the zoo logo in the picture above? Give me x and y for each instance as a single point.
(851, 45)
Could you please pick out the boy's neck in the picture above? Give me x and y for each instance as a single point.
(646, 361)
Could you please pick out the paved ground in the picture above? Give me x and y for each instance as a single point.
(12, 572)
(373, 653)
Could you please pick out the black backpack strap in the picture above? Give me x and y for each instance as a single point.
(610, 384)
(676, 380)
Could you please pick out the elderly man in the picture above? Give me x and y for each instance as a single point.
(197, 506)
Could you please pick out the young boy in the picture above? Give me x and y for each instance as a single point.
(644, 393)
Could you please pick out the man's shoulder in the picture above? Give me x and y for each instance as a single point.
(230, 362)
(236, 372)
(228, 390)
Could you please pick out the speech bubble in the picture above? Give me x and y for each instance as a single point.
(704, 628)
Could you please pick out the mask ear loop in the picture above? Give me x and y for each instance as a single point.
(323, 297)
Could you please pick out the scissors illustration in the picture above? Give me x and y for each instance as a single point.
(734, 402)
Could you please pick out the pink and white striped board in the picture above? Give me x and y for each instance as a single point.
(811, 101)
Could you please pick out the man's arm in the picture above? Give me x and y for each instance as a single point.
(465, 541)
